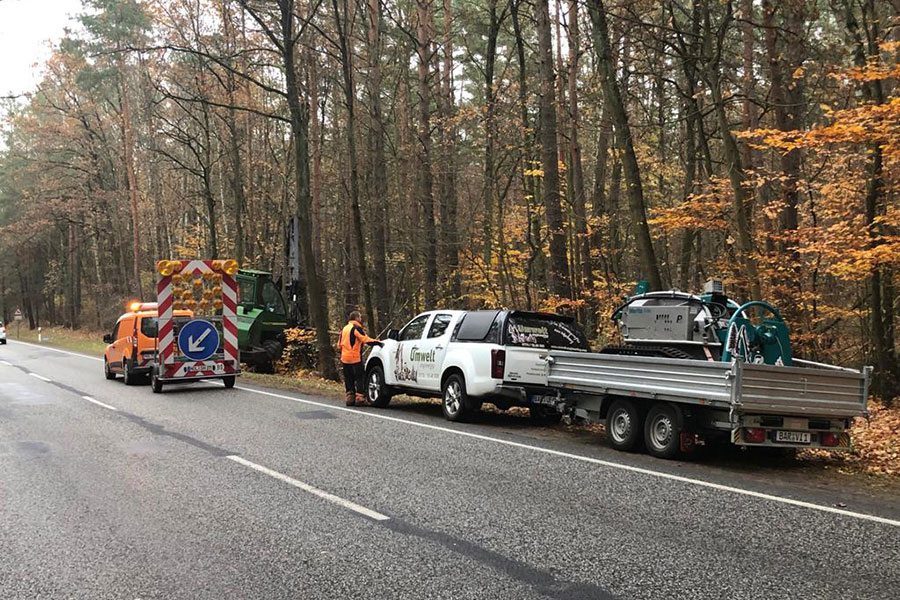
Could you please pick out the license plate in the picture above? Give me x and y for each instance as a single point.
(793, 437)
(214, 367)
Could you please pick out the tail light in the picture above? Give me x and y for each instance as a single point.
(829, 439)
(3, 329)
(498, 363)
(754, 435)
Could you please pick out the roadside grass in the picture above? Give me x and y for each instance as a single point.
(876, 442)
(76, 340)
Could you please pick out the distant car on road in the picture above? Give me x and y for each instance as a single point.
(132, 343)
(2, 332)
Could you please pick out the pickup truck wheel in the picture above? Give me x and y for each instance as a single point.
(623, 425)
(106, 372)
(377, 392)
(662, 431)
(455, 403)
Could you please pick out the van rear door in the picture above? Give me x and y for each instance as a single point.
(528, 339)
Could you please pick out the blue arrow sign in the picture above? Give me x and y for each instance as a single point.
(198, 339)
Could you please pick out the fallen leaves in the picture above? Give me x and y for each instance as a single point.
(876, 445)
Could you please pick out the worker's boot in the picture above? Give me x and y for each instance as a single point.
(350, 398)
(361, 400)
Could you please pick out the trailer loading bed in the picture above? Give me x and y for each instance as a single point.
(802, 400)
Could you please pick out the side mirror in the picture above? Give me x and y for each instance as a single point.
(393, 334)
(107, 339)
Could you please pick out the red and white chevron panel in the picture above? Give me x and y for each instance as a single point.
(165, 300)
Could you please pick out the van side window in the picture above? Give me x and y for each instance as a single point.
(149, 327)
(115, 333)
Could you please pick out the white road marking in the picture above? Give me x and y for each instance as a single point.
(596, 461)
(578, 457)
(41, 377)
(98, 403)
(6, 362)
(42, 347)
(311, 489)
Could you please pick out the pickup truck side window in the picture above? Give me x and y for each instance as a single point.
(414, 329)
(476, 324)
(439, 325)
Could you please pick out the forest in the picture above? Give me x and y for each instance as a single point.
(469, 153)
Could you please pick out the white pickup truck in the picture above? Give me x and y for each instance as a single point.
(470, 357)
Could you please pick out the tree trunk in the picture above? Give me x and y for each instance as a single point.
(558, 273)
(487, 193)
(342, 23)
(299, 112)
(616, 108)
(426, 185)
(449, 137)
(577, 170)
(732, 157)
(128, 130)
(379, 190)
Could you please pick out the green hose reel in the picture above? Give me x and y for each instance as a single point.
(768, 343)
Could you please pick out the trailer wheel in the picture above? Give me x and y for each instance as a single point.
(455, 401)
(662, 431)
(377, 392)
(155, 384)
(623, 425)
(228, 380)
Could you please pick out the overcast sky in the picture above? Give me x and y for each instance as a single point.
(26, 26)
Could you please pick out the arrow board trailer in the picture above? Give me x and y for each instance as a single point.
(670, 404)
(204, 346)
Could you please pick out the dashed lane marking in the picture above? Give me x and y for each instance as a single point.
(98, 403)
(366, 512)
(41, 377)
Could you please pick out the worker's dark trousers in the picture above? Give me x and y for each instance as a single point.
(354, 378)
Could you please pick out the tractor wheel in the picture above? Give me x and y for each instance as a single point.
(271, 353)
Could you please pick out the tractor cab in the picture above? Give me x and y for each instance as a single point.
(262, 318)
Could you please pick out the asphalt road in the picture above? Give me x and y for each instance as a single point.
(109, 491)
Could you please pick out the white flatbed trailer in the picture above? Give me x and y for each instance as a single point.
(805, 406)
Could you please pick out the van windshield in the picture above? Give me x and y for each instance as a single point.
(537, 331)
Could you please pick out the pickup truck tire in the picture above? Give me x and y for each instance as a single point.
(454, 400)
(624, 425)
(662, 431)
(378, 394)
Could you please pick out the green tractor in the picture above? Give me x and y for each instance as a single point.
(262, 317)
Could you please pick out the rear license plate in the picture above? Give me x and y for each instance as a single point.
(214, 367)
(793, 437)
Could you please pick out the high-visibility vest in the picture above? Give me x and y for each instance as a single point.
(351, 342)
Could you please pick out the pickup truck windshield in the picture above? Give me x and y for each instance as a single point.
(533, 331)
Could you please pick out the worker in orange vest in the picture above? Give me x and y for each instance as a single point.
(350, 344)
